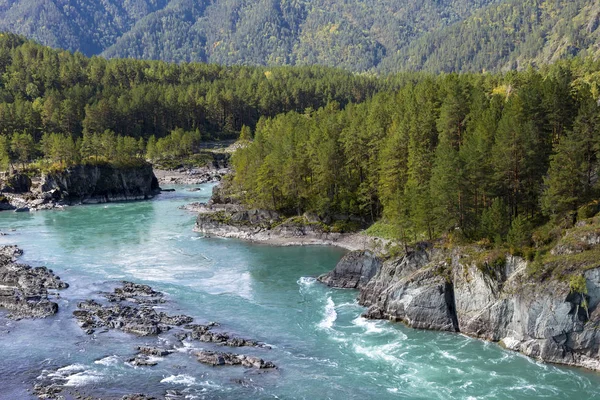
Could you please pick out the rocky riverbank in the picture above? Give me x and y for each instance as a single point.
(82, 184)
(190, 176)
(261, 226)
(491, 299)
(24, 291)
(217, 166)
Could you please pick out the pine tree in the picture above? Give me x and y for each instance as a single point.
(570, 179)
(4, 153)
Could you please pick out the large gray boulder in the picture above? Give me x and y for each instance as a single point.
(353, 271)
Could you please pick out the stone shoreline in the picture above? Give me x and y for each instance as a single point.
(288, 233)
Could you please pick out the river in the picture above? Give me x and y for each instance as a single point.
(323, 348)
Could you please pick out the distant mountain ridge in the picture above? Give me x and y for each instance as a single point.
(358, 35)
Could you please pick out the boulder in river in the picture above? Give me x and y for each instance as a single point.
(353, 271)
(217, 359)
(23, 289)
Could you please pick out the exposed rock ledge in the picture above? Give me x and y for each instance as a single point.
(435, 289)
(23, 289)
(82, 184)
(262, 226)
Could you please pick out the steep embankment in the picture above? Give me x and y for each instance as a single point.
(484, 295)
(82, 184)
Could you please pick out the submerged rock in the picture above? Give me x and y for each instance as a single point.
(23, 289)
(203, 333)
(217, 359)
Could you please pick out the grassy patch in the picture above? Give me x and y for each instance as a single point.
(384, 230)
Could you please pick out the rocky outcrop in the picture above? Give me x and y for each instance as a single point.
(131, 309)
(101, 184)
(263, 226)
(498, 301)
(17, 183)
(413, 291)
(23, 289)
(82, 184)
(132, 313)
(353, 271)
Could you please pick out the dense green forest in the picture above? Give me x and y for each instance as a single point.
(383, 36)
(48, 91)
(479, 155)
(489, 156)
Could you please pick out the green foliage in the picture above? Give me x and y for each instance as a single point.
(588, 210)
(245, 134)
(22, 146)
(49, 91)
(577, 284)
(573, 166)
(495, 222)
(519, 235)
(4, 153)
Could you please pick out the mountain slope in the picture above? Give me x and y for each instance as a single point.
(88, 26)
(358, 35)
(353, 34)
(513, 34)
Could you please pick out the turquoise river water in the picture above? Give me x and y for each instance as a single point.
(323, 348)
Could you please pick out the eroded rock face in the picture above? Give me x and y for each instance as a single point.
(82, 184)
(442, 290)
(18, 183)
(411, 290)
(23, 289)
(353, 271)
(102, 183)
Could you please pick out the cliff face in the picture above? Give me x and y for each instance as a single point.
(83, 184)
(102, 183)
(434, 289)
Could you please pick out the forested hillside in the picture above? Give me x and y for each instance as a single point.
(476, 156)
(510, 35)
(382, 36)
(44, 90)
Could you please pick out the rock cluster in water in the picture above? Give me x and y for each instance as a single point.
(130, 309)
(217, 358)
(23, 289)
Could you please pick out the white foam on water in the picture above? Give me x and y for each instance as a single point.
(65, 371)
(449, 356)
(108, 361)
(83, 378)
(371, 327)
(306, 281)
(180, 380)
(330, 315)
(384, 352)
